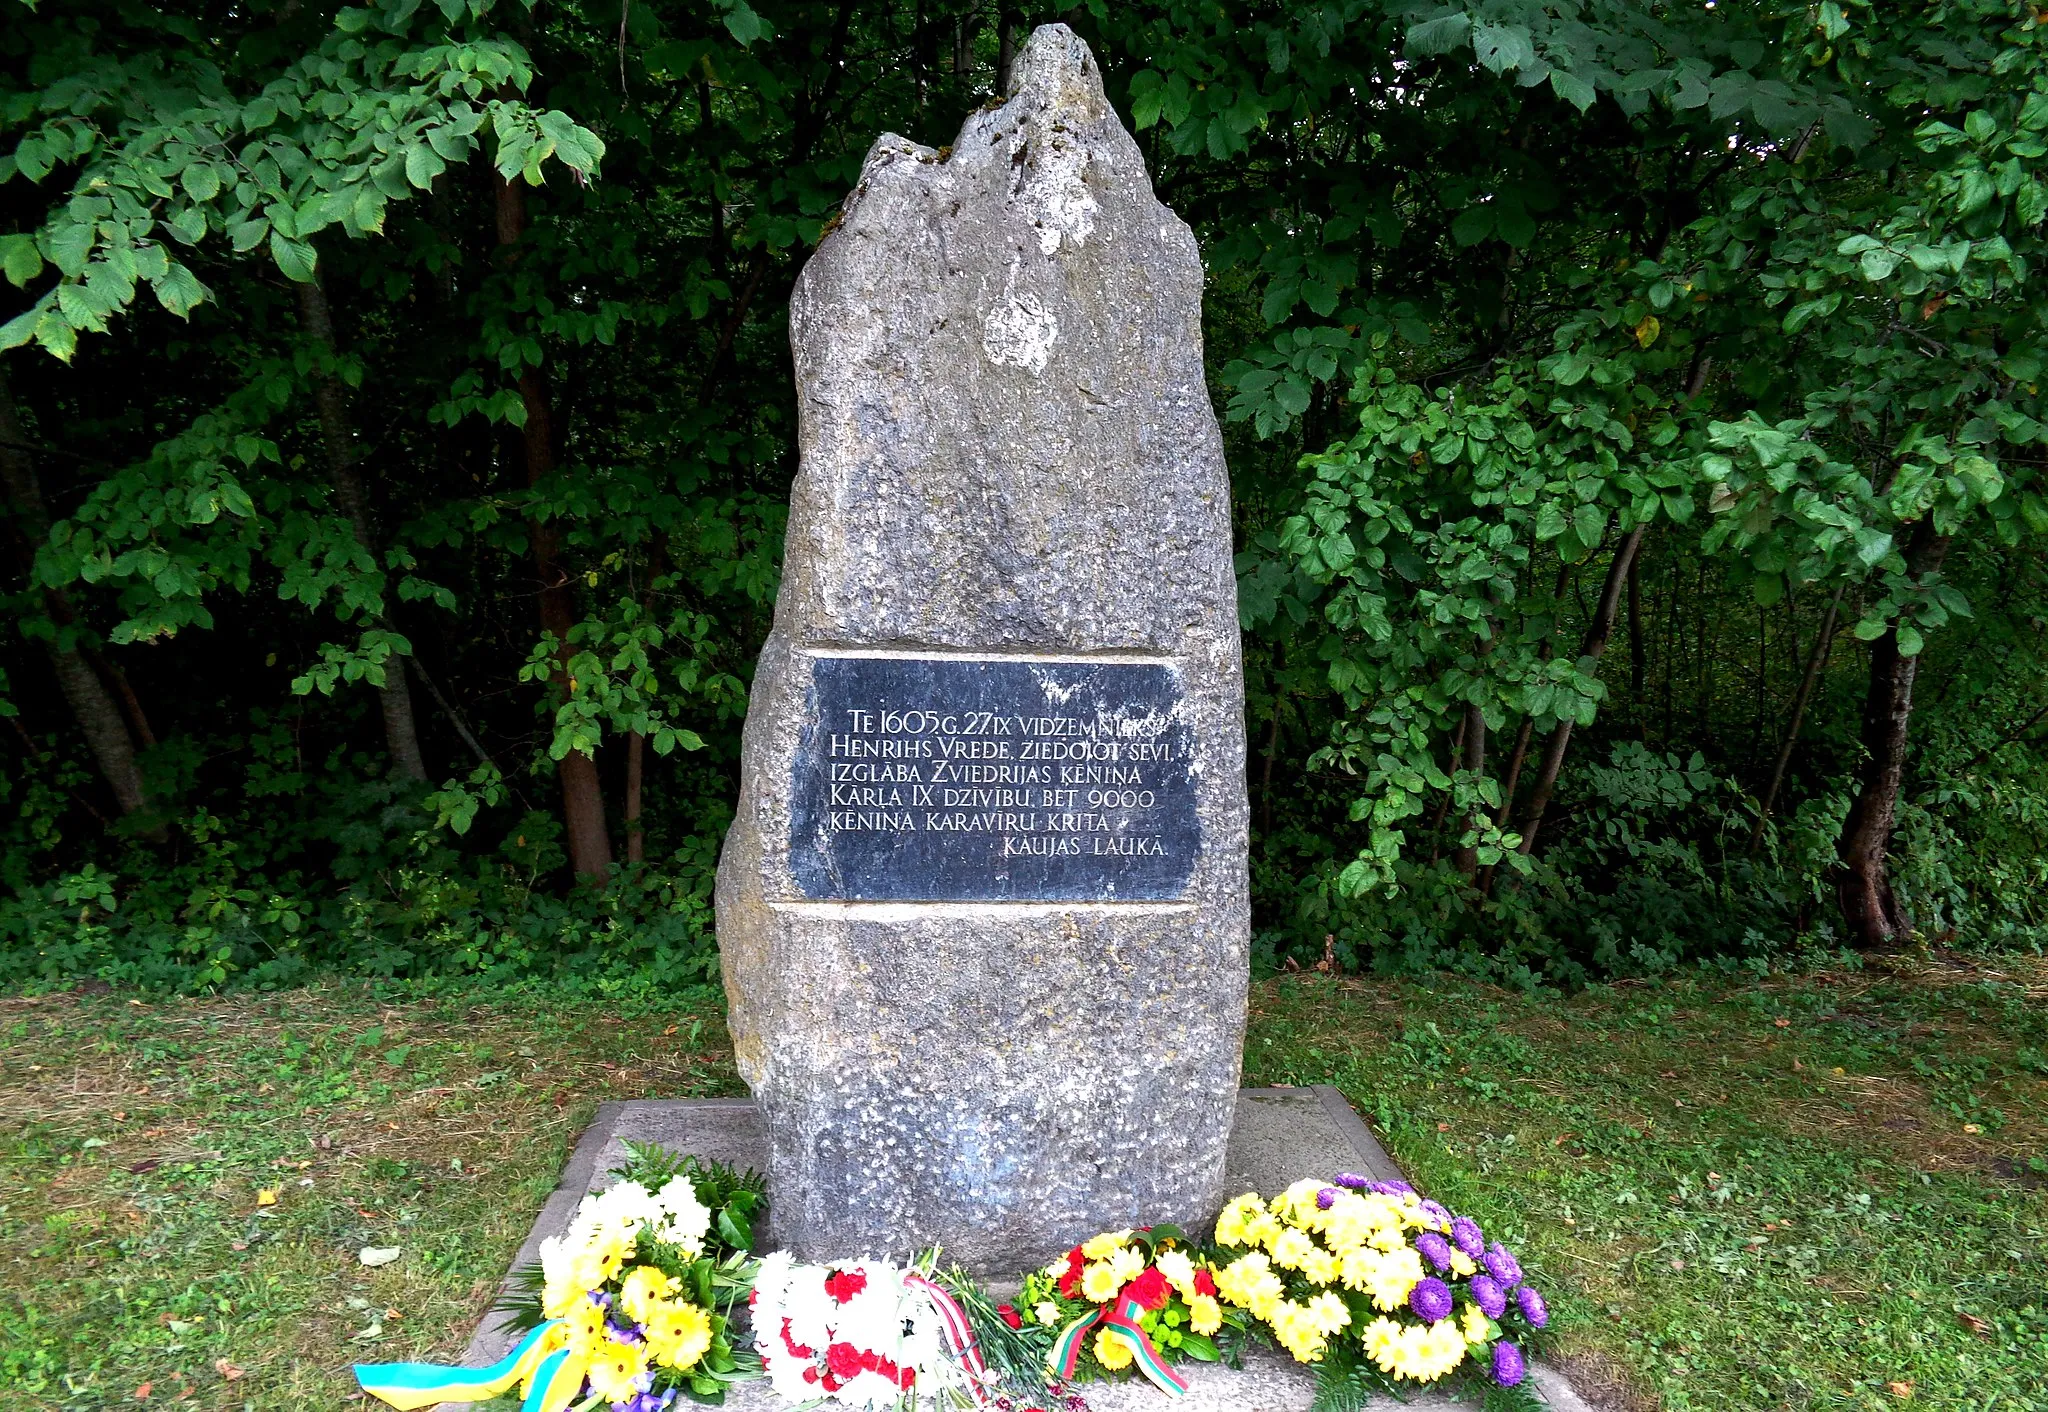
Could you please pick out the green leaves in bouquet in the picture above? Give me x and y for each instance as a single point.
(1015, 1357)
(1347, 1380)
(736, 1200)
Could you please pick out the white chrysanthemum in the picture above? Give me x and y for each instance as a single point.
(684, 1220)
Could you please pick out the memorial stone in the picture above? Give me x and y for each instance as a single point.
(983, 910)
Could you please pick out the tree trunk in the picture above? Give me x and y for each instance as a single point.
(636, 841)
(1474, 762)
(1870, 911)
(98, 716)
(401, 732)
(1815, 661)
(590, 851)
(1635, 634)
(1597, 634)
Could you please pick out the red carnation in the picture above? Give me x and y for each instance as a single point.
(1010, 1316)
(810, 1375)
(1205, 1283)
(843, 1285)
(1070, 1282)
(909, 1376)
(844, 1360)
(796, 1349)
(1149, 1288)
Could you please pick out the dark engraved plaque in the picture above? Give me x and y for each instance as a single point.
(946, 779)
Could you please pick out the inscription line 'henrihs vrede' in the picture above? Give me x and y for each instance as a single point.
(992, 779)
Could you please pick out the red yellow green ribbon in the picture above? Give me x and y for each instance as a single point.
(1122, 1323)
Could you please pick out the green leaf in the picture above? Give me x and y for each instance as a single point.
(1910, 641)
(744, 25)
(201, 181)
(178, 289)
(19, 259)
(1879, 264)
(422, 165)
(294, 257)
(1573, 89)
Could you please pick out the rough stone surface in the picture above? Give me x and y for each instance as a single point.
(1278, 1136)
(1008, 452)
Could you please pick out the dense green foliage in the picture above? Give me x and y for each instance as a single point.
(1634, 414)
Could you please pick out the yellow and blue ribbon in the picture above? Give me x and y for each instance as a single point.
(552, 1375)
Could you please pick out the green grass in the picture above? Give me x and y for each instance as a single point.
(1813, 1192)
(1742, 1194)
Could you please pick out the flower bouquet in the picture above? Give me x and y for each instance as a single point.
(866, 1333)
(1128, 1298)
(1380, 1289)
(628, 1308)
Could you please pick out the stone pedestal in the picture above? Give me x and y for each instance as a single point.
(983, 909)
(1277, 1136)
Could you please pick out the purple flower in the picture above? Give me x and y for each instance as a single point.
(1466, 1235)
(1326, 1198)
(1350, 1179)
(1392, 1188)
(1509, 1367)
(1430, 1299)
(1434, 1248)
(1532, 1306)
(1437, 1214)
(1502, 1265)
(1489, 1296)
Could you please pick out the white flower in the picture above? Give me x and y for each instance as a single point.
(683, 1220)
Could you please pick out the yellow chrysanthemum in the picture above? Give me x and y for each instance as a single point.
(1179, 1271)
(1298, 1202)
(1235, 1217)
(1100, 1282)
(1205, 1315)
(678, 1334)
(1297, 1331)
(1128, 1263)
(1329, 1312)
(1320, 1266)
(1112, 1352)
(1394, 1277)
(1102, 1246)
(1291, 1248)
(1382, 1340)
(1250, 1283)
(1478, 1328)
(1359, 1267)
(1425, 1354)
(1262, 1230)
(1462, 1264)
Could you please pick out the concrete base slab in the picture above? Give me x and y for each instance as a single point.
(1279, 1136)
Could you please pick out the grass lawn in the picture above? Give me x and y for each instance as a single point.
(1818, 1191)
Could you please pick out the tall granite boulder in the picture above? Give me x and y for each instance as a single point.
(983, 911)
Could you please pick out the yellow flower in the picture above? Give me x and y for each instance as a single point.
(1462, 1264)
(1104, 1245)
(1112, 1352)
(1205, 1315)
(1382, 1341)
(1179, 1271)
(1360, 1266)
(1047, 1312)
(1320, 1266)
(1128, 1263)
(615, 1371)
(1235, 1217)
(1291, 1248)
(1478, 1328)
(1100, 1282)
(644, 1288)
(1297, 1331)
(1298, 1202)
(1262, 1230)
(678, 1334)
(1329, 1312)
(1393, 1279)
